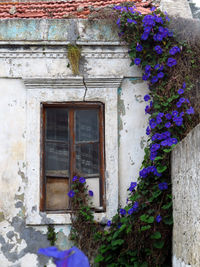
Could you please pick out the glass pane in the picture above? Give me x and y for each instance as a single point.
(87, 125)
(56, 194)
(87, 159)
(57, 124)
(57, 158)
(93, 184)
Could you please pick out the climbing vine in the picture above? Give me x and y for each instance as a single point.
(139, 234)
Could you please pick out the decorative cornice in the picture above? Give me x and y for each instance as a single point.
(47, 53)
(73, 83)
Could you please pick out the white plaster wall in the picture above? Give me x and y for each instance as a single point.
(20, 238)
(186, 200)
(132, 133)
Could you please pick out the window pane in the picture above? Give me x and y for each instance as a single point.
(93, 184)
(87, 159)
(56, 194)
(57, 124)
(87, 125)
(56, 157)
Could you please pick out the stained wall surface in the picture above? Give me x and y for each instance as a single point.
(186, 200)
(33, 69)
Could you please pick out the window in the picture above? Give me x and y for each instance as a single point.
(73, 144)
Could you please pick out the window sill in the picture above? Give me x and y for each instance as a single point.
(44, 218)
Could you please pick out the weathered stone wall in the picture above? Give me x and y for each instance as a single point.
(33, 69)
(186, 200)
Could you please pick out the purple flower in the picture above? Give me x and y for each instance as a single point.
(148, 109)
(174, 50)
(160, 75)
(137, 61)
(82, 180)
(118, 22)
(130, 211)
(182, 99)
(71, 193)
(132, 186)
(178, 104)
(139, 48)
(163, 186)
(147, 68)
(148, 131)
(74, 178)
(153, 155)
(158, 120)
(143, 173)
(158, 67)
(171, 62)
(131, 21)
(147, 29)
(168, 124)
(109, 223)
(147, 97)
(153, 8)
(154, 79)
(190, 110)
(145, 77)
(90, 192)
(184, 85)
(168, 116)
(158, 37)
(180, 91)
(122, 211)
(135, 206)
(175, 113)
(144, 36)
(158, 218)
(158, 49)
(158, 19)
(72, 257)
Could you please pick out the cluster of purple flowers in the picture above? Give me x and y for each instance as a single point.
(161, 136)
(134, 208)
(163, 186)
(150, 169)
(82, 180)
(132, 186)
(174, 50)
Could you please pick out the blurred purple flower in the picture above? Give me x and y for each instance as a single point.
(158, 218)
(74, 178)
(90, 192)
(82, 180)
(137, 61)
(72, 257)
(71, 193)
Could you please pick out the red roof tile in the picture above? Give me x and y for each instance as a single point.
(60, 10)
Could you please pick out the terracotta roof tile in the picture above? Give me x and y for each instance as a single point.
(61, 9)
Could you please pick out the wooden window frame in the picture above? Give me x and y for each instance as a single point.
(72, 106)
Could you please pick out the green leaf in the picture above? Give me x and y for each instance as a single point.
(98, 258)
(167, 206)
(146, 227)
(117, 242)
(144, 217)
(168, 220)
(158, 158)
(144, 264)
(122, 228)
(156, 235)
(161, 169)
(159, 244)
(151, 219)
(115, 234)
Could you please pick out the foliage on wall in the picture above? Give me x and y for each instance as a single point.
(139, 234)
